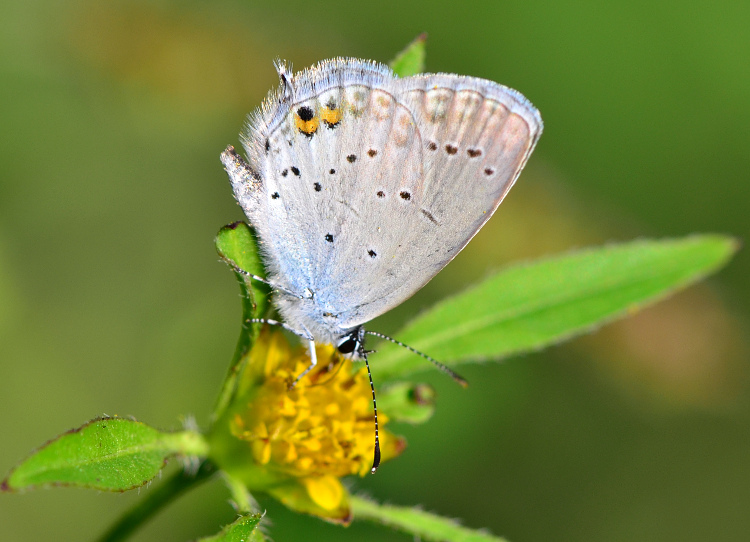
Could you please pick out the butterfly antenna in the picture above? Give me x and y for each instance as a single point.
(376, 457)
(444, 368)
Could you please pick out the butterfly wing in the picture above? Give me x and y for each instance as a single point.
(364, 186)
(467, 143)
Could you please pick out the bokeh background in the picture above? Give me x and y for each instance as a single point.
(112, 298)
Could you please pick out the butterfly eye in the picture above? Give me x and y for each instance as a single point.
(347, 345)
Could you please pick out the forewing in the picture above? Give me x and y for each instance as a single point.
(370, 184)
(472, 139)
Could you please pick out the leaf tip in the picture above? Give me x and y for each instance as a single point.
(735, 244)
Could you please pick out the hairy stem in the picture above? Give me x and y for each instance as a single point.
(155, 500)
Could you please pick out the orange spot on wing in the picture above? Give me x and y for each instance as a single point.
(307, 127)
(331, 116)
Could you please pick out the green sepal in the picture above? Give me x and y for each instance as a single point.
(527, 307)
(237, 244)
(108, 454)
(407, 402)
(410, 61)
(244, 529)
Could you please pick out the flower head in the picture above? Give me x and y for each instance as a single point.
(304, 438)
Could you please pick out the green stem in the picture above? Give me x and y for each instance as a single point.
(155, 500)
(417, 522)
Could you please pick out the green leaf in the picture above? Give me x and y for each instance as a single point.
(237, 245)
(407, 402)
(527, 307)
(242, 530)
(417, 522)
(410, 61)
(111, 454)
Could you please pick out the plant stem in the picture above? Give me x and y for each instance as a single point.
(420, 524)
(155, 500)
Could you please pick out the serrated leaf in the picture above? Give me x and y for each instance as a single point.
(244, 529)
(407, 402)
(237, 245)
(421, 524)
(110, 454)
(410, 61)
(529, 306)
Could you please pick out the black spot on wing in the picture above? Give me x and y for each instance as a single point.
(431, 218)
(305, 113)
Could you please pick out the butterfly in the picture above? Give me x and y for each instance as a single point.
(362, 186)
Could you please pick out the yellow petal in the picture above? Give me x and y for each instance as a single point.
(261, 451)
(325, 491)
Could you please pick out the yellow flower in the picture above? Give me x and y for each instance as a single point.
(302, 440)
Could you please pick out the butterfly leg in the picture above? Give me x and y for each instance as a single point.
(304, 335)
(237, 269)
(313, 363)
(282, 325)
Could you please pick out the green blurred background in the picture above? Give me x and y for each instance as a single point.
(112, 298)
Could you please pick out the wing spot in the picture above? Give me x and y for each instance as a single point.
(381, 194)
(372, 153)
(285, 173)
(295, 170)
(275, 195)
(317, 187)
(473, 153)
(329, 238)
(431, 218)
(432, 146)
(305, 113)
(306, 121)
(489, 171)
(351, 158)
(331, 115)
(332, 171)
(451, 149)
(372, 253)
(405, 195)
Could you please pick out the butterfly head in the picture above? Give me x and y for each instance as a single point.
(352, 343)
